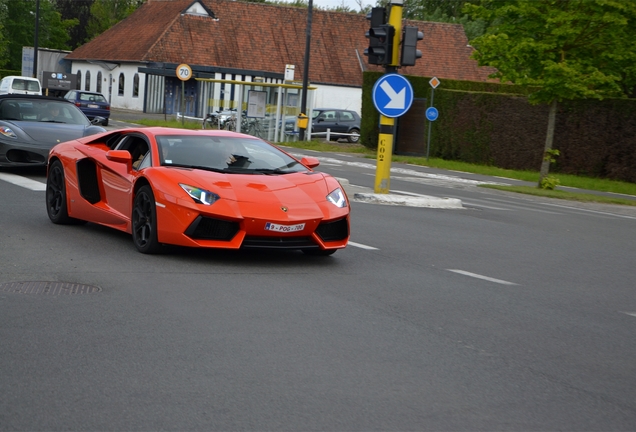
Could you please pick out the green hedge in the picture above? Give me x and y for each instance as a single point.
(7, 72)
(493, 124)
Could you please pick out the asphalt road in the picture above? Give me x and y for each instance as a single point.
(512, 313)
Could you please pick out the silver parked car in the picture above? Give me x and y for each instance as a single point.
(31, 125)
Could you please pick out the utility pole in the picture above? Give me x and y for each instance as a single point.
(303, 101)
(35, 42)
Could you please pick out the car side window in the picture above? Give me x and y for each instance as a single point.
(146, 162)
(328, 116)
(346, 116)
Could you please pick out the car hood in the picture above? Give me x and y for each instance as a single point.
(54, 133)
(298, 188)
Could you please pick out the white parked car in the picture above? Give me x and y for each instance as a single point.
(20, 85)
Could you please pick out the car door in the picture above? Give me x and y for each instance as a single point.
(347, 121)
(327, 119)
(118, 178)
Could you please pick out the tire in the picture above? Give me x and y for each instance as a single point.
(144, 222)
(319, 252)
(105, 122)
(354, 139)
(56, 205)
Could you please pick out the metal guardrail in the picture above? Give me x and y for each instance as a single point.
(328, 134)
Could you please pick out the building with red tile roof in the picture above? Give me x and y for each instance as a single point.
(136, 59)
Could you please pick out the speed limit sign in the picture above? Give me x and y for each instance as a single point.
(184, 72)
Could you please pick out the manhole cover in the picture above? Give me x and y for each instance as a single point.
(48, 288)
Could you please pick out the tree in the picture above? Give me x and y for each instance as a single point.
(4, 44)
(566, 49)
(107, 13)
(19, 29)
(76, 9)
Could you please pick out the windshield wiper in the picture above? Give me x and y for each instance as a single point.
(270, 171)
(205, 168)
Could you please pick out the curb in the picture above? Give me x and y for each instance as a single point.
(398, 200)
(409, 201)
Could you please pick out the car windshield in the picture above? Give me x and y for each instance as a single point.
(235, 155)
(50, 111)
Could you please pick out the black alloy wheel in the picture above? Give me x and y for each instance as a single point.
(144, 222)
(56, 206)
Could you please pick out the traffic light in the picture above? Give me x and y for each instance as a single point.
(380, 36)
(384, 50)
(410, 53)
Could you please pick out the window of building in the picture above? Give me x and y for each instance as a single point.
(87, 83)
(136, 85)
(78, 85)
(99, 82)
(121, 84)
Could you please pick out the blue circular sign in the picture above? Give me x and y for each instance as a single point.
(432, 114)
(392, 95)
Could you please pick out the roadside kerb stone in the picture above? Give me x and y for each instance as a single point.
(364, 194)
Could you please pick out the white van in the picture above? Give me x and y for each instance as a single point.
(20, 85)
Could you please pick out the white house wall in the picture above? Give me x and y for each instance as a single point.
(324, 96)
(127, 101)
(327, 96)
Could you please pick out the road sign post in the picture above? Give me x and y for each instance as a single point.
(184, 73)
(431, 113)
(392, 97)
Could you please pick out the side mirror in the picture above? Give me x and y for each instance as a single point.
(97, 120)
(122, 156)
(310, 162)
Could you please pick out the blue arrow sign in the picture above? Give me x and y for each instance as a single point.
(432, 114)
(392, 95)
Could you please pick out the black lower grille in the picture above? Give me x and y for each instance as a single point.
(205, 228)
(333, 231)
(279, 242)
(23, 156)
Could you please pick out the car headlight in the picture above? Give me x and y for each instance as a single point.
(200, 196)
(7, 132)
(337, 198)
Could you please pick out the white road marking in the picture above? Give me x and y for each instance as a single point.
(519, 205)
(474, 204)
(589, 211)
(475, 275)
(23, 181)
(630, 313)
(362, 246)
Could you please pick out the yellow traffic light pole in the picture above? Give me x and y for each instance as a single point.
(387, 124)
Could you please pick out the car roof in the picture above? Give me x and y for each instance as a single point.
(333, 109)
(86, 91)
(37, 97)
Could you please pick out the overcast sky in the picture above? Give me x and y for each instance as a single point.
(352, 4)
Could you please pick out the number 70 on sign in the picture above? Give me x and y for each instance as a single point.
(184, 72)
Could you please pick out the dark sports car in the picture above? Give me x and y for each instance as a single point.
(197, 188)
(31, 125)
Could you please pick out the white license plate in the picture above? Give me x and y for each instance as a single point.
(93, 106)
(269, 226)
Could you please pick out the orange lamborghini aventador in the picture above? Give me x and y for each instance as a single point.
(198, 188)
